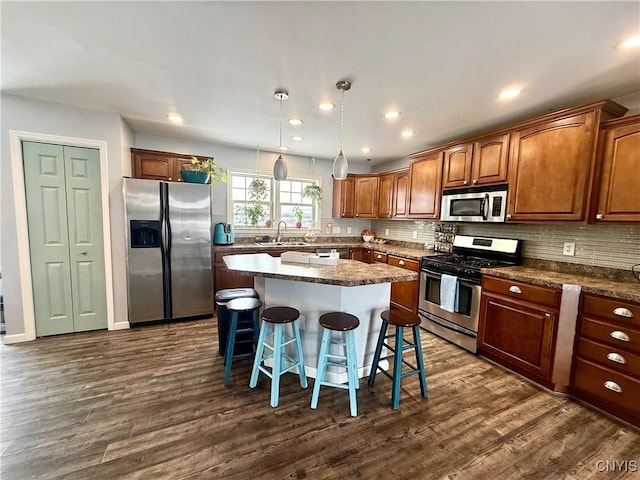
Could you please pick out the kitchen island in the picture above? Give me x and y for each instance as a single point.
(350, 286)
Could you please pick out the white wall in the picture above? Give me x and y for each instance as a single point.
(50, 118)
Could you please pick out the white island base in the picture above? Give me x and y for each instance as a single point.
(314, 299)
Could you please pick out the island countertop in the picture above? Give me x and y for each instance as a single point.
(347, 273)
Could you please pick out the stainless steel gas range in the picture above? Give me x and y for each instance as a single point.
(450, 286)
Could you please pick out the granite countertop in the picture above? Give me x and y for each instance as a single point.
(347, 273)
(600, 285)
(391, 249)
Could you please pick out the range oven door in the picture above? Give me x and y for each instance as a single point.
(460, 327)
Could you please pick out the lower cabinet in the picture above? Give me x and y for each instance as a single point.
(606, 367)
(518, 326)
(404, 295)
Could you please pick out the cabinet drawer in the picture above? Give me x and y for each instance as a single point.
(620, 390)
(611, 334)
(379, 257)
(611, 309)
(615, 359)
(521, 291)
(403, 262)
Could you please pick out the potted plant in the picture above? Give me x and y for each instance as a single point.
(314, 192)
(297, 212)
(203, 170)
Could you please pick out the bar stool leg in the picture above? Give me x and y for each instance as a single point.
(352, 371)
(397, 368)
(277, 363)
(376, 357)
(231, 339)
(420, 362)
(259, 354)
(322, 367)
(301, 372)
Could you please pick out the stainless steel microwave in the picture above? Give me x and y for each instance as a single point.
(477, 204)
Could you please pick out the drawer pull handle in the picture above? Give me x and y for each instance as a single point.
(379, 256)
(515, 289)
(623, 312)
(401, 262)
(618, 335)
(616, 357)
(613, 386)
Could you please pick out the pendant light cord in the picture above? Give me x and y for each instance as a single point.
(341, 119)
(280, 146)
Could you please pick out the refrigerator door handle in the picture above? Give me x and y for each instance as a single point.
(166, 248)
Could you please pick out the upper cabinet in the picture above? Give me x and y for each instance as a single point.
(619, 198)
(425, 184)
(393, 188)
(479, 163)
(356, 196)
(456, 171)
(152, 165)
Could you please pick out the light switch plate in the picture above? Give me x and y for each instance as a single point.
(335, 230)
(348, 229)
(386, 231)
(569, 249)
(415, 234)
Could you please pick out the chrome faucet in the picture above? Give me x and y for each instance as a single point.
(278, 237)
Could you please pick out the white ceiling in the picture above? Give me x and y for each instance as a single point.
(442, 64)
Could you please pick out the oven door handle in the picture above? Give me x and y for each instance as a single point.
(431, 272)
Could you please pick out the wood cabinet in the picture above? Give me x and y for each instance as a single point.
(225, 278)
(606, 367)
(355, 254)
(482, 162)
(379, 257)
(393, 188)
(404, 295)
(619, 196)
(152, 165)
(551, 169)
(344, 197)
(425, 183)
(366, 196)
(518, 325)
(456, 171)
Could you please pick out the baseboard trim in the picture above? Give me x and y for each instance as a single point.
(120, 325)
(15, 338)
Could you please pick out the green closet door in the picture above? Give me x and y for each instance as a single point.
(65, 219)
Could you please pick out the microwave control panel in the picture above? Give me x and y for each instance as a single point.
(496, 208)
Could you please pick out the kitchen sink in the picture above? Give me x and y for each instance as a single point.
(284, 244)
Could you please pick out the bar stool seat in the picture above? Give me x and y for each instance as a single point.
(401, 320)
(234, 307)
(275, 319)
(339, 322)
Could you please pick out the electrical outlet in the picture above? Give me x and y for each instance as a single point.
(327, 228)
(335, 230)
(415, 234)
(386, 231)
(569, 249)
(348, 229)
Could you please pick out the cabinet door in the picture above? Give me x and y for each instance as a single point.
(404, 295)
(620, 182)
(551, 170)
(177, 166)
(355, 254)
(385, 195)
(366, 194)
(457, 166)
(490, 158)
(344, 198)
(400, 193)
(425, 183)
(519, 335)
(153, 166)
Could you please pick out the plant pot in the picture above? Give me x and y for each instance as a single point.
(194, 176)
(298, 224)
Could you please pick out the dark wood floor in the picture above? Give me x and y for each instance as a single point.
(148, 403)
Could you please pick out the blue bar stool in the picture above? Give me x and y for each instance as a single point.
(339, 322)
(275, 319)
(401, 320)
(234, 307)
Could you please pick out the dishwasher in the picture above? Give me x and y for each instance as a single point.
(342, 252)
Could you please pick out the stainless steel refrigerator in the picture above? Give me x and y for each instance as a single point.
(168, 228)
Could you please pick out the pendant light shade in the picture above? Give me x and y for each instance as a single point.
(340, 164)
(280, 167)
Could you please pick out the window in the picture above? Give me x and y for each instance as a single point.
(256, 198)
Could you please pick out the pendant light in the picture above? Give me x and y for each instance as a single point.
(340, 164)
(280, 167)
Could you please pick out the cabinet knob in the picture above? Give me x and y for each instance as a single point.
(618, 335)
(547, 315)
(599, 216)
(613, 386)
(357, 214)
(616, 357)
(475, 180)
(623, 312)
(170, 178)
(515, 289)
(378, 256)
(465, 182)
(508, 215)
(401, 262)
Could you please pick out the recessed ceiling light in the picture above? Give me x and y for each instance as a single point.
(174, 117)
(365, 149)
(408, 133)
(633, 42)
(392, 114)
(294, 121)
(326, 106)
(510, 92)
(283, 148)
(297, 138)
